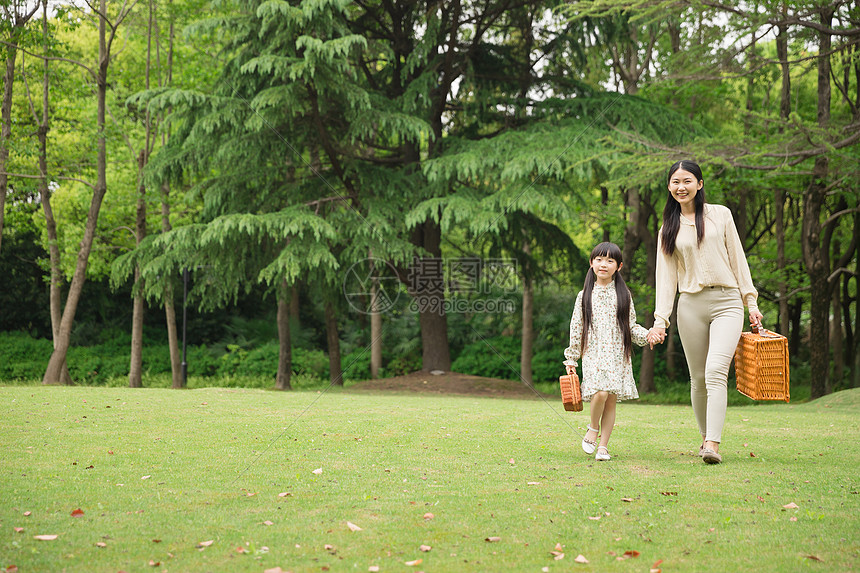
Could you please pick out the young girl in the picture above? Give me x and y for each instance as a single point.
(602, 331)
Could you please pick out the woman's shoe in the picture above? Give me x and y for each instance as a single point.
(602, 454)
(588, 446)
(711, 457)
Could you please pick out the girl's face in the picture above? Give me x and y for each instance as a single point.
(604, 268)
(683, 187)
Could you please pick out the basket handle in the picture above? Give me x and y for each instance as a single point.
(763, 332)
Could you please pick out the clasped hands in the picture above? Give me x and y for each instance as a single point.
(658, 335)
(655, 336)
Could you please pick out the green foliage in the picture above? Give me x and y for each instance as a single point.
(497, 357)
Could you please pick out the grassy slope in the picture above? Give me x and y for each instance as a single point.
(184, 467)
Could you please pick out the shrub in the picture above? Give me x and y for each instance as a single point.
(497, 357)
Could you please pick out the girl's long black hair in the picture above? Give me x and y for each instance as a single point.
(672, 210)
(622, 294)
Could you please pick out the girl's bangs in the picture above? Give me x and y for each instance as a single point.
(610, 250)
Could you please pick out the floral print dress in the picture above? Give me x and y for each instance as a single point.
(604, 367)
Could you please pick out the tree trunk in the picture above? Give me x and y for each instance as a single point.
(427, 285)
(836, 338)
(333, 339)
(285, 345)
(135, 371)
(604, 200)
(815, 256)
(375, 331)
(169, 308)
(779, 193)
(178, 380)
(6, 129)
(795, 311)
(55, 288)
(54, 371)
(294, 308)
(779, 201)
(528, 332)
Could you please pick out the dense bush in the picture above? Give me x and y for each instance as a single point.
(497, 357)
(25, 358)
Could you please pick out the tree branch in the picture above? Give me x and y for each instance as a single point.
(50, 58)
(25, 176)
(832, 218)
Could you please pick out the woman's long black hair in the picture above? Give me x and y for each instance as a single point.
(672, 210)
(622, 294)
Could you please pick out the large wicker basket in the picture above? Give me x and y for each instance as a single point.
(571, 395)
(761, 365)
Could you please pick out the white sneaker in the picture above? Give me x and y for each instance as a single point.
(602, 454)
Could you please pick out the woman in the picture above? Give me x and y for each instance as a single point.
(700, 254)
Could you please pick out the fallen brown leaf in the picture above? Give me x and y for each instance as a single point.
(534, 483)
(413, 563)
(627, 499)
(317, 471)
(77, 512)
(791, 505)
(28, 513)
(595, 518)
(631, 553)
(752, 455)
(241, 549)
(429, 516)
(814, 558)
(206, 543)
(352, 526)
(45, 537)
(19, 529)
(328, 547)
(792, 518)
(101, 544)
(267, 522)
(558, 547)
(373, 568)
(284, 494)
(11, 569)
(153, 563)
(274, 570)
(581, 558)
(424, 548)
(493, 539)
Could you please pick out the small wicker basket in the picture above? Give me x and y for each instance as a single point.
(571, 395)
(761, 365)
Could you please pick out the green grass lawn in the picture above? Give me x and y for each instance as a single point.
(159, 474)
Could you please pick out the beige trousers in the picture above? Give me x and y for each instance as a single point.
(710, 324)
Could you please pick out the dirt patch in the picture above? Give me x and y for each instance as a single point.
(449, 383)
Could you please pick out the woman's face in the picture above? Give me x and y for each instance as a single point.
(683, 187)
